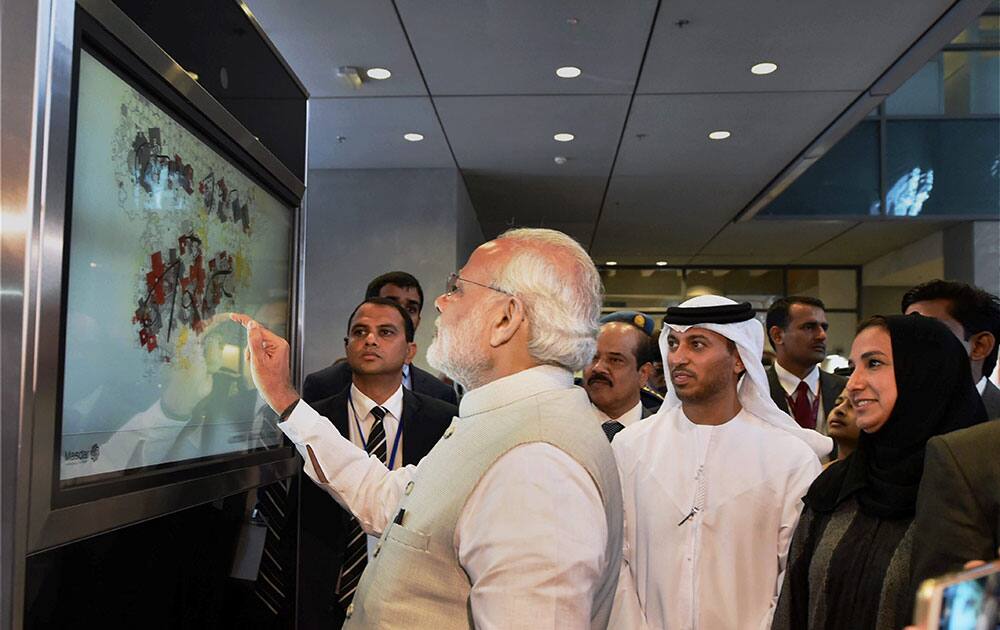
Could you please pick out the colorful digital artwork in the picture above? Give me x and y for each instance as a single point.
(167, 236)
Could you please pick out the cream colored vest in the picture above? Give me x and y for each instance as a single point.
(415, 579)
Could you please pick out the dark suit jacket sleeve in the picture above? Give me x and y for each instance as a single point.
(951, 525)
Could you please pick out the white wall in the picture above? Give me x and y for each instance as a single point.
(362, 223)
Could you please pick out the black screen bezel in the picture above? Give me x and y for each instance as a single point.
(91, 36)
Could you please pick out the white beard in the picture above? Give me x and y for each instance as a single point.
(456, 350)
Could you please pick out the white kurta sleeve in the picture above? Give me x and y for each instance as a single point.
(360, 483)
(532, 538)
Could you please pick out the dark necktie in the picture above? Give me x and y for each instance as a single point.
(612, 427)
(356, 553)
(801, 409)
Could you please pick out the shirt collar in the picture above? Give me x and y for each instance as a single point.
(981, 385)
(628, 418)
(790, 382)
(513, 388)
(363, 404)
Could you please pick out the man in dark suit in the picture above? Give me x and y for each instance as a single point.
(958, 508)
(616, 375)
(405, 290)
(973, 315)
(392, 423)
(796, 328)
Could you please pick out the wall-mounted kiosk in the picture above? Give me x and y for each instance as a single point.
(151, 213)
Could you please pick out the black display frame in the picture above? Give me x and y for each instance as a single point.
(91, 505)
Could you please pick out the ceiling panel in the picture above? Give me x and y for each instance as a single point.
(673, 188)
(502, 202)
(817, 44)
(514, 134)
(318, 36)
(577, 230)
(871, 239)
(372, 130)
(651, 217)
(786, 240)
(515, 46)
(668, 134)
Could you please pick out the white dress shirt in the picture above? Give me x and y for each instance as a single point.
(790, 382)
(627, 419)
(361, 405)
(407, 379)
(533, 531)
(981, 385)
(359, 413)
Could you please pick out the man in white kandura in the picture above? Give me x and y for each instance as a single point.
(513, 520)
(712, 483)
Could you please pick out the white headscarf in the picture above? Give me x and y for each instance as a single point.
(754, 391)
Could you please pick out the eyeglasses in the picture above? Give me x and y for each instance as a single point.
(452, 285)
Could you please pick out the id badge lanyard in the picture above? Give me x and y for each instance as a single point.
(364, 440)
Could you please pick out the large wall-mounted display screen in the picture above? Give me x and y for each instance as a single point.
(166, 237)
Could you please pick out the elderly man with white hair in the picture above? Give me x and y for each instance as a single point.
(513, 520)
(713, 482)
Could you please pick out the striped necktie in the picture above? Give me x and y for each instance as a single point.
(278, 504)
(611, 428)
(356, 553)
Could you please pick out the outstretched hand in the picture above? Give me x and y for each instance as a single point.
(268, 356)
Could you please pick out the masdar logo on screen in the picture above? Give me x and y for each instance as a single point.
(81, 456)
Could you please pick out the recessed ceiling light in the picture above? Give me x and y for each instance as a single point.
(413, 137)
(568, 72)
(765, 67)
(379, 74)
(719, 135)
(563, 137)
(611, 263)
(661, 263)
(560, 160)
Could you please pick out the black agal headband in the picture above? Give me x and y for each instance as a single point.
(721, 314)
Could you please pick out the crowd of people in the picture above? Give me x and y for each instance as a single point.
(725, 495)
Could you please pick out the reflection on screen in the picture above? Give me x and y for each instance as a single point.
(971, 605)
(166, 238)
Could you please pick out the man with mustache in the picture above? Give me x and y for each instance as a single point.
(623, 363)
(514, 519)
(796, 328)
(393, 424)
(712, 483)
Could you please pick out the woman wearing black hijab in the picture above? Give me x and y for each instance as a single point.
(849, 562)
